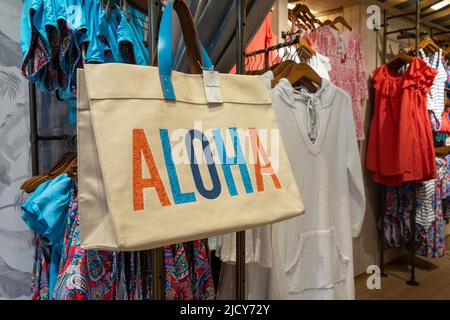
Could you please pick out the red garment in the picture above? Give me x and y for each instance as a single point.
(400, 145)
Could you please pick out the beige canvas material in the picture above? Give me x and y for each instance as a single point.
(115, 99)
(96, 227)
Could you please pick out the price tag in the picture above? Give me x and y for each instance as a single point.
(313, 133)
(213, 92)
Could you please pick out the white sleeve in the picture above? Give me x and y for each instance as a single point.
(268, 77)
(321, 64)
(357, 198)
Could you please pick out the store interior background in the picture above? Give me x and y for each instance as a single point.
(19, 256)
(366, 246)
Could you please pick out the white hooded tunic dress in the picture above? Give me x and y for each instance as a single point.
(312, 253)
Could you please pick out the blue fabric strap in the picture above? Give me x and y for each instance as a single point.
(165, 54)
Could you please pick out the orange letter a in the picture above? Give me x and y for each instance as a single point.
(141, 147)
(257, 150)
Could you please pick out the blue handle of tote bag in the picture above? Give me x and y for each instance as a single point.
(165, 53)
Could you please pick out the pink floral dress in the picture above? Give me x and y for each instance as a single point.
(348, 68)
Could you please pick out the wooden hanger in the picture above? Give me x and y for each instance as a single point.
(125, 9)
(282, 71)
(56, 171)
(302, 12)
(399, 60)
(297, 22)
(305, 45)
(427, 44)
(63, 165)
(328, 22)
(447, 52)
(442, 150)
(303, 74)
(27, 183)
(342, 21)
(109, 6)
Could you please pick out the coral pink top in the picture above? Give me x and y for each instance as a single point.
(348, 68)
(400, 145)
(263, 39)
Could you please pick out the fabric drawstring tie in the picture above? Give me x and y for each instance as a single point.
(312, 102)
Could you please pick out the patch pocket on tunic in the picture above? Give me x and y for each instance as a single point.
(319, 262)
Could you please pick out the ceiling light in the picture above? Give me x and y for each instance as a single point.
(440, 4)
(291, 6)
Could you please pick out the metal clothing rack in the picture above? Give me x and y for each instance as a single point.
(266, 51)
(412, 243)
(153, 9)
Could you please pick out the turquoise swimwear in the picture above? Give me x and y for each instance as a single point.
(112, 37)
(65, 38)
(131, 47)
(107, 33)
(52, 32)
(139, 43)
(45, 212)
(94, 52)
(102, 33)
(76, 21)
(137, 19)
(33, 41)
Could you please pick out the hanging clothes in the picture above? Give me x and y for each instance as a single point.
(84, 274)
(446, 115)
(425, 213)
(264, 38)
(45, 212)
(348, 67)
(33, 40)
(400, 145)
(320, 63)
(431, 236)
(55, 34)
(218, 35)
(397, 217)
(41, 270)
(399, 206)
(188, 274)
(62, 269)
(313, 255)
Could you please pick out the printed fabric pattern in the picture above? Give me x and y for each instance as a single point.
(188, 279)
(348, 68)
(41, 270)
(84, 274)
(430, 234)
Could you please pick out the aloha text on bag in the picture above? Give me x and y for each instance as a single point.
(214, 151)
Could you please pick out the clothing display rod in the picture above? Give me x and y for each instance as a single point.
(240, 69)
(267, 51)
(153, 13)
(413, 245)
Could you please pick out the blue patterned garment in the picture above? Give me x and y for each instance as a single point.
(45, 212)
(84, 274)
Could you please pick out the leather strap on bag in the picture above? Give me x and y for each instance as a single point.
(196, 53)
(190, 36)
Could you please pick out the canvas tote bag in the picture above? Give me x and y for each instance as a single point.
(160, 165)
